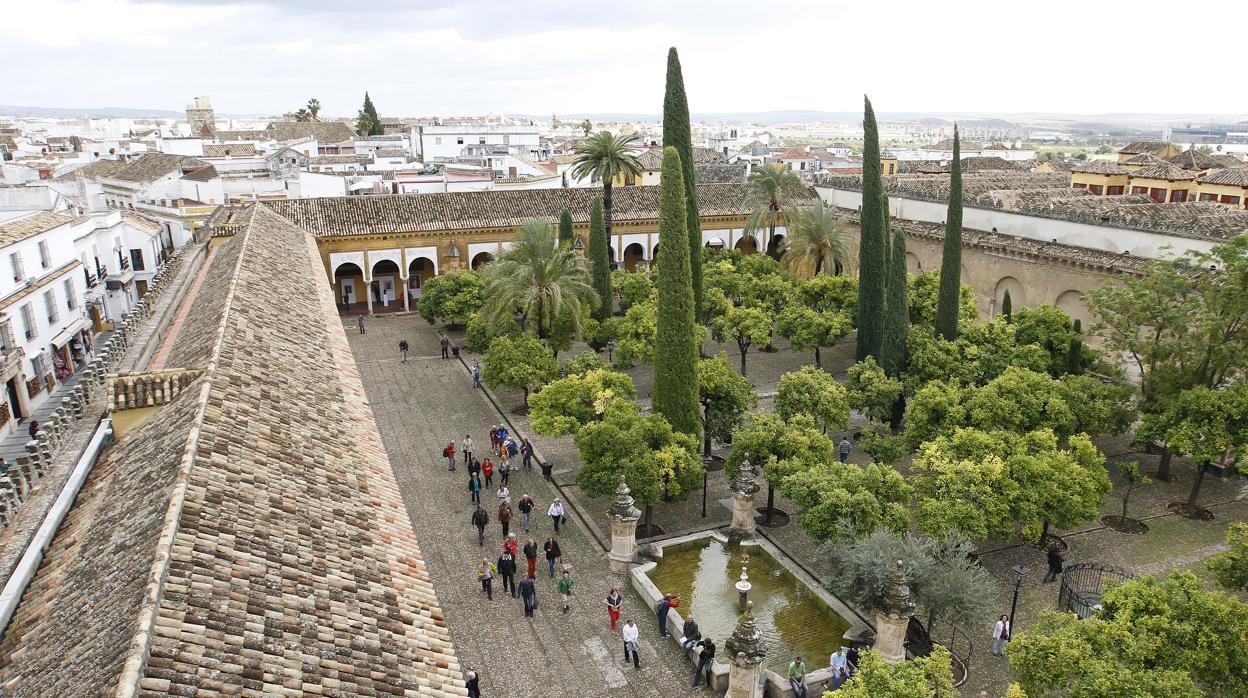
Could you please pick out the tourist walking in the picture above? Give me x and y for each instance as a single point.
(487, 469)
(472, 683)
(706, 659)
(843, 449)
(797, 677)
(494, 438)
(565, 590)
(669, 602)
(526, 452)
(615, 604)
(480, 519)
(446, 345)
(474, 467)
(530, 555)
(504, 494)
(511, 545)
(449, 454)
(689, 634)
(631, 635)
(476, 375)
(1000, 635)
(485, 573)
(474, 489)
(555, 512)
(504, 472)
(551, 547)
(403, 350)
(360, 318)
(512, 449)
(1055, 563)
(504, 515)
(507, 570)
(528, 594)
(466, 447)
(526, 507)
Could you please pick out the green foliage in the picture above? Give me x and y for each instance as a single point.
(769, 292)
(1007, 306)
(640, 448)
(635, 334)
(585, 362)
(949, 303)
(925, 296)
(779, 448)
(844, 500)
(675, 392)
(368, 122)
(1099, 407)
(808, 329)
(897, 311)
(1150, 638)
(1051, 329)
(817, 239)
(479, 335)
(870, 391)
(828, 294)
(1020, 401)
(758, 265)
(541, 279)
(599, 260)
(1231, 567)
(677, 134)
(871, 271)
(523, 363)
(814, 392)
(923, 677)
(771, 191)
(982, 352)
(565, 227)
(745, 326)
(601, 158)
(726, 276)
(881, 444)
(631, 287)
(724, 395)
(567, 404)
(452, 297)
(598, 334)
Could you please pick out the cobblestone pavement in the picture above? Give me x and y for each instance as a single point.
(419, 406)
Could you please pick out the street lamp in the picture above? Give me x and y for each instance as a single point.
(1020, 574)
(611, 352)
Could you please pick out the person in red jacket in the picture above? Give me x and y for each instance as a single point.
(487, 471)
(449, 454)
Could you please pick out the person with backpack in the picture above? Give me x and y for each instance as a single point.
(449, 454)
(472, 683)
(403, 350)
(507, 570)
(706, 660)
(843, 448)
(504, 472)
(480, 519)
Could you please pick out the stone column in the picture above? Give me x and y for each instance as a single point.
(743, 524)
(891, 621)
(624, 518)
(745, 651)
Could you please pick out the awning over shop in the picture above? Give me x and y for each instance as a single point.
(69, 332)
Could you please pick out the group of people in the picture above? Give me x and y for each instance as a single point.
(842, 664)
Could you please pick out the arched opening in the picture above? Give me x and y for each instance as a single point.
(747, 245)
(349, 284)
(913, 266)
(482, 258)
(385, 284)
(654, 254)
(715, 245)
(419, 271)
(633, 254)
(775, 248)
(1072, 303)
(1017, 299)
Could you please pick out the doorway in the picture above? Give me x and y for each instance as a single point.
(14, 402)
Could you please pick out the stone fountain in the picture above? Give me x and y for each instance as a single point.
(624, 518)
(743, 586)
(743, 524)
(745, 650)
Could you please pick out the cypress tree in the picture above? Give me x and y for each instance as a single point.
(375, 129)
(565, 227)
(678, 134)
(888, 237)
(600, 260)
(1074, 352)
(871, 247)
(675, 392)
(897, 311)
(951, 259)
(1007, 307)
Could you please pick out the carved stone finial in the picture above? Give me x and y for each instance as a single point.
(746, 643)
(746, 483)
(897, 597)
(622, 506)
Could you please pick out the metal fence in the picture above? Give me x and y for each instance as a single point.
(920, 641)
(1084, 583)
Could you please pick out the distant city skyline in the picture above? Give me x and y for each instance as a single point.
(440, 57)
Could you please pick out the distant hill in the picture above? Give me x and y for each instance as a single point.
(87, 112)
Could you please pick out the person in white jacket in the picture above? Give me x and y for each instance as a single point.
(1000, 635)
(631, 634)
(556, 513)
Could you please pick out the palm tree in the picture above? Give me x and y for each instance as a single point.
(302, 114)
(771, 190)
(314, 109)
(364, 123)
(603, 156)
(541, 278)
(817, 237)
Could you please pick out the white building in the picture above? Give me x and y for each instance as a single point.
(435, 143)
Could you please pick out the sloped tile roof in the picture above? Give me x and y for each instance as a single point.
(203, 174)
(404, 213)
(153, 166)
(1143, 159)
(95, 170)
(1162, 170)
(230, 150)
(30, 226)
(1101, 167)
(1193, 160)
(1231, 176)
(322, 131)
(1152, 147)
(141, 223)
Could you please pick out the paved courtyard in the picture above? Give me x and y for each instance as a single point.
(419, 406)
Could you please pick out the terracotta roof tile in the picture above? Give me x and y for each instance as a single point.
(1193, 160)
(1152, 147)
(29, 226)
(1101, 167)
(1162, 170)
(1231, 176)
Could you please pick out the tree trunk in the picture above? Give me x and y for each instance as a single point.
(606, 209)
(818, 265)
(706, 434)
(742, 348)
(818, 364)
(1044, 533)
(1191, 498)
(771, 502)
(1163, 468)
(1126, 498)
(649, 523)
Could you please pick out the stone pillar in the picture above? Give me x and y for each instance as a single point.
(891, 621)
(624, 518)
(743, 524)
(407, 302)
(745, 651)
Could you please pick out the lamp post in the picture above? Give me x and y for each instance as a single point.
(611, 352)
(1020, 574)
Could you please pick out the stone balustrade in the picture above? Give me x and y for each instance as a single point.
(130, 390)
(94, 393)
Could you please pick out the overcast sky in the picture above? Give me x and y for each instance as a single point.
(443, 57)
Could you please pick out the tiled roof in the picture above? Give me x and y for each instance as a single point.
(794, 154)
(1101, 167)
(196, 340)
(369, 215)
(1162, 170)
(990, 163)
(1152, 147)
(391, 153)
(24, 292)
(652, 159)
(153, 166)
(141, 223)
(95, 170)
(708, 156)
(29, 226)
(1193, 160)
(1227, 160)
(323, 131)
(947, 144)
(203, 174)
(713, 174)
(566, 159)
(229, 150)
(1231, 176)
(344, 159)
(1143, 159)
(260, 135)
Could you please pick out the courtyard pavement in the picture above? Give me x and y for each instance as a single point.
(421, 405)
